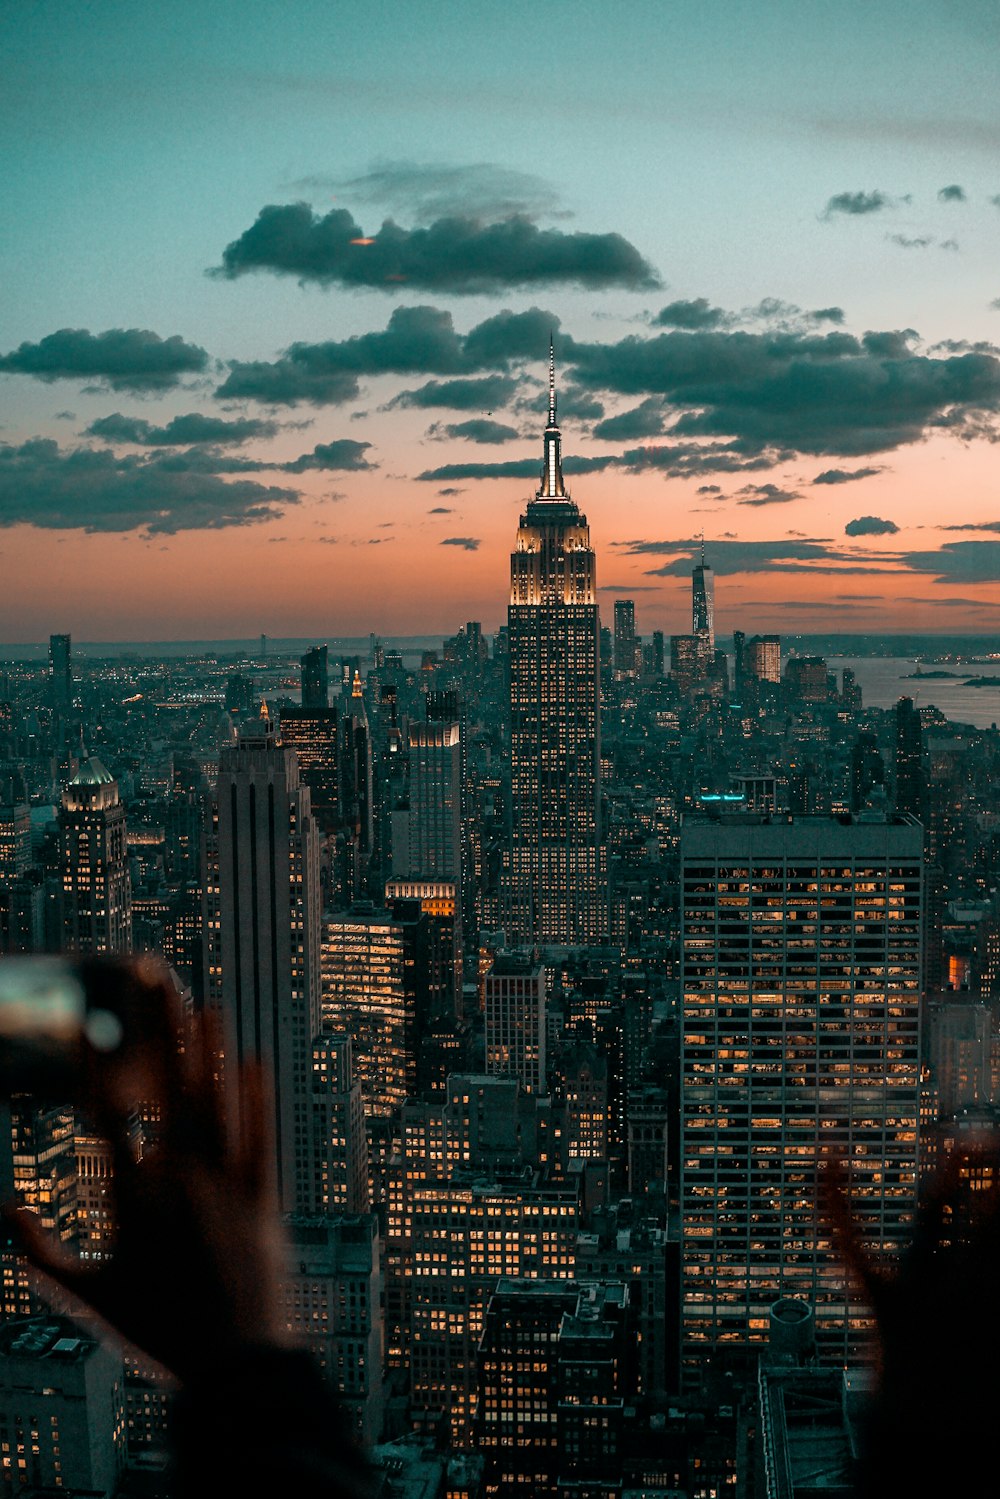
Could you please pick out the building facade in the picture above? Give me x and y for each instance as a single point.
(557, 870)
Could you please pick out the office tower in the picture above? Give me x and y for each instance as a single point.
(430, 914)
(62, 1410)
(808, 679)
(315, 678)
(365, 996)
(356, 790)
(515, 1020)
(312, 734)
(626, 644)
(262, 923)
(909, 759)
(703, 605)
(554, 1374)
(800, 985)
(762, 658)
(239, 698)
(687, 661)
(850, 691)
(867, 769)
(96, 890)
(558, 869)
(61, 672)
(740, 664)
(430, 843)
(339, 1155)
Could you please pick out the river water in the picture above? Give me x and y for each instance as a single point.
(885, 679)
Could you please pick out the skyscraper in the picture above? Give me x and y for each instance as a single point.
(61, 672)
(262, 936)
(626, 645)
(315, 678)
(703, 604)
(515, 1020)
(96, 891)
(558, 870)
(801, 971)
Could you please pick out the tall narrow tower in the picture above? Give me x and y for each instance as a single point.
(558, 870)
(703, 604)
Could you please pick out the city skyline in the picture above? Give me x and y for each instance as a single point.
(766, 252)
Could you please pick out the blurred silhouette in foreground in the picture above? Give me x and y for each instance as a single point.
(195, 1279)
(930, 1428)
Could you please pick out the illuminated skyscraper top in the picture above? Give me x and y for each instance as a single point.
(557, 867)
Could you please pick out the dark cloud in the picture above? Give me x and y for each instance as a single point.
(767, 494)
(89, 489)
(342, 454)
(709, 489)
(579, 405)
(65, 416)
(959, 562)
(458, 254)
(193, 427)
(514, 336)
(952, 193)
(857, 203)
(122, 358)
(844, 475)
(645, 420)
(691, 315)
(949, 244)
(955, 603)
(920, 242)
(481, 429)
(820, 393)
(416, 340)
(870, 525)
(425, 191)
(513, 468)
(783, 556)
(826, 315)
(441, 510)
(627, 588)
(485, 394)
(468, 543)
(985, 525)
(450, 491)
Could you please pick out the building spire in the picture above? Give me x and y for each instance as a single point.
(552, 487)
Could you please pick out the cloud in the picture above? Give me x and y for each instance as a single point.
(952, 193)
(123, 358)
(513, 468)
(415, 340)
(767, 494)
(826, 315)
(481, 429)
(450, 491)
(485, 394)
(88, 489)
(629, 588)
(645, 420)
(959, 562)
(458, 254)
(708, 489)
(513, 336)
(468, 543)
(844, 475)
(341, 454)
(441, 510)
(985, 525)
(870, 525)
(428, 191)
(579, 405)
(193, 427)
(696, 314)
(948, 244)
(726, 557)
(855, 204)
(919, 243)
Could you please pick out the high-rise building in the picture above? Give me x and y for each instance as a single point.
(558, 863)
(703, 604)
(262, 924)
(909, 759)
(96, 890)
(315, 678)
(429, 841)
(626, 642)
(515, 1020)
(61, 672)
(312, 734)
(801, 973)
(762, 658)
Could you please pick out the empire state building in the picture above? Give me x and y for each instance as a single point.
(558, 879)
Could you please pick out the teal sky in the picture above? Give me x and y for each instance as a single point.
(140, 140)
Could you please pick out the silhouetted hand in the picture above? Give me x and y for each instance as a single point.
(938, 1315)
(195, 1275)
